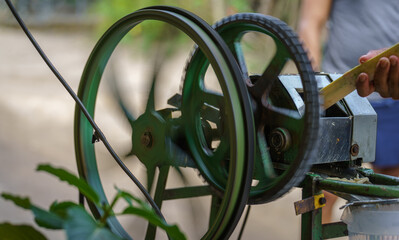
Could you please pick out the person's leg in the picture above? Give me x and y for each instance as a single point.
(387, 145)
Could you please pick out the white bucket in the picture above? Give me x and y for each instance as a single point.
(372, 220)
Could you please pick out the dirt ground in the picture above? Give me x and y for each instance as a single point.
(36, 126)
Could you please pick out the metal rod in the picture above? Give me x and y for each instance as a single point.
(377, 178)
(384, 191)
(186, 192)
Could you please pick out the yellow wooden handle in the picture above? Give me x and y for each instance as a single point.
(346, 84)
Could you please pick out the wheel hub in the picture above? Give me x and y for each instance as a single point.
(148, 139)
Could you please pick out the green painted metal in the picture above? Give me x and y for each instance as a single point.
(379, 178)
(372, 190)
(161, 185)
(187, 192)
(215, 205)
(334, 230)
(311, 227)
(382, 186)
(279, 111)
(237, 135)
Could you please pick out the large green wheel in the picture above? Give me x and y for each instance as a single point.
(286, 135)
(155, 132)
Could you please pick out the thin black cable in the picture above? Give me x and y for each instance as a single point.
(98, 133)
(244, 222)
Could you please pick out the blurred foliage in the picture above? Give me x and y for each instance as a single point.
(75, 219)
(286, 10)
(150, 32)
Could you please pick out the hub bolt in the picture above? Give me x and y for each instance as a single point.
(146, 139)
(280, 139)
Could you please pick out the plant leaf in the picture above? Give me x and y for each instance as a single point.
(61, 208)
(172, 230)
(43, 218)
(81, 226)
(47, 219)
(129, 197)
(17, 200)
(17, 232)
(73, 180)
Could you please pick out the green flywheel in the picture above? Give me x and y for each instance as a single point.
(155, 132)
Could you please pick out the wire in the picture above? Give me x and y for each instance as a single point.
(97, 131)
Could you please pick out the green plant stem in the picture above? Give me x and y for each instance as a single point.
(108, 209)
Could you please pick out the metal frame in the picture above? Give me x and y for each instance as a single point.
(382, 186)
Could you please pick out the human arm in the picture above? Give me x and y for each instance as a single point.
(386, 76)
(313, 17)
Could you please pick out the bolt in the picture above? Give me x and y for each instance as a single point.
(322, 200)
(146, 139)
(355, 150)
(280, 139)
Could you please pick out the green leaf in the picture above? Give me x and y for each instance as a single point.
(19, 232)
(81, 226)
(73, 180)
(147, 212)
(43, 218)
(19, 201)
(47, 219)
(172, 230)
(61, 208)
(129, 197)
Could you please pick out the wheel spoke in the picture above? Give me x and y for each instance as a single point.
(126, 112)
(266, 160)
(159, 56)
(238, 53)
(220, 153)
(158, 198)
(151, 98)
(211, 109)
(284, 116)
(113, 80)
(150, 178)
(264, 84)
(212, 98)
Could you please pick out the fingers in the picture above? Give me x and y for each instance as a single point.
(364, 86)
(381, 77)
(393, 80)
(386, 76)
(370, 55)
(385, 81)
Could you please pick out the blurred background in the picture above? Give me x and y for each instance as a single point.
(36, 113)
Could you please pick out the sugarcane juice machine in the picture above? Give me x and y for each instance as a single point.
(257, 137)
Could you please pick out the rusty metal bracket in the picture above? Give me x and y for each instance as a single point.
(310, 204)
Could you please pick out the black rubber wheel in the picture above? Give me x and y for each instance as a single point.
(276, 117)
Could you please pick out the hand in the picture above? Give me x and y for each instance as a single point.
(386, 76)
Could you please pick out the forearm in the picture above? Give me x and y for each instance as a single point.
(310, 37)
(313, 17)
